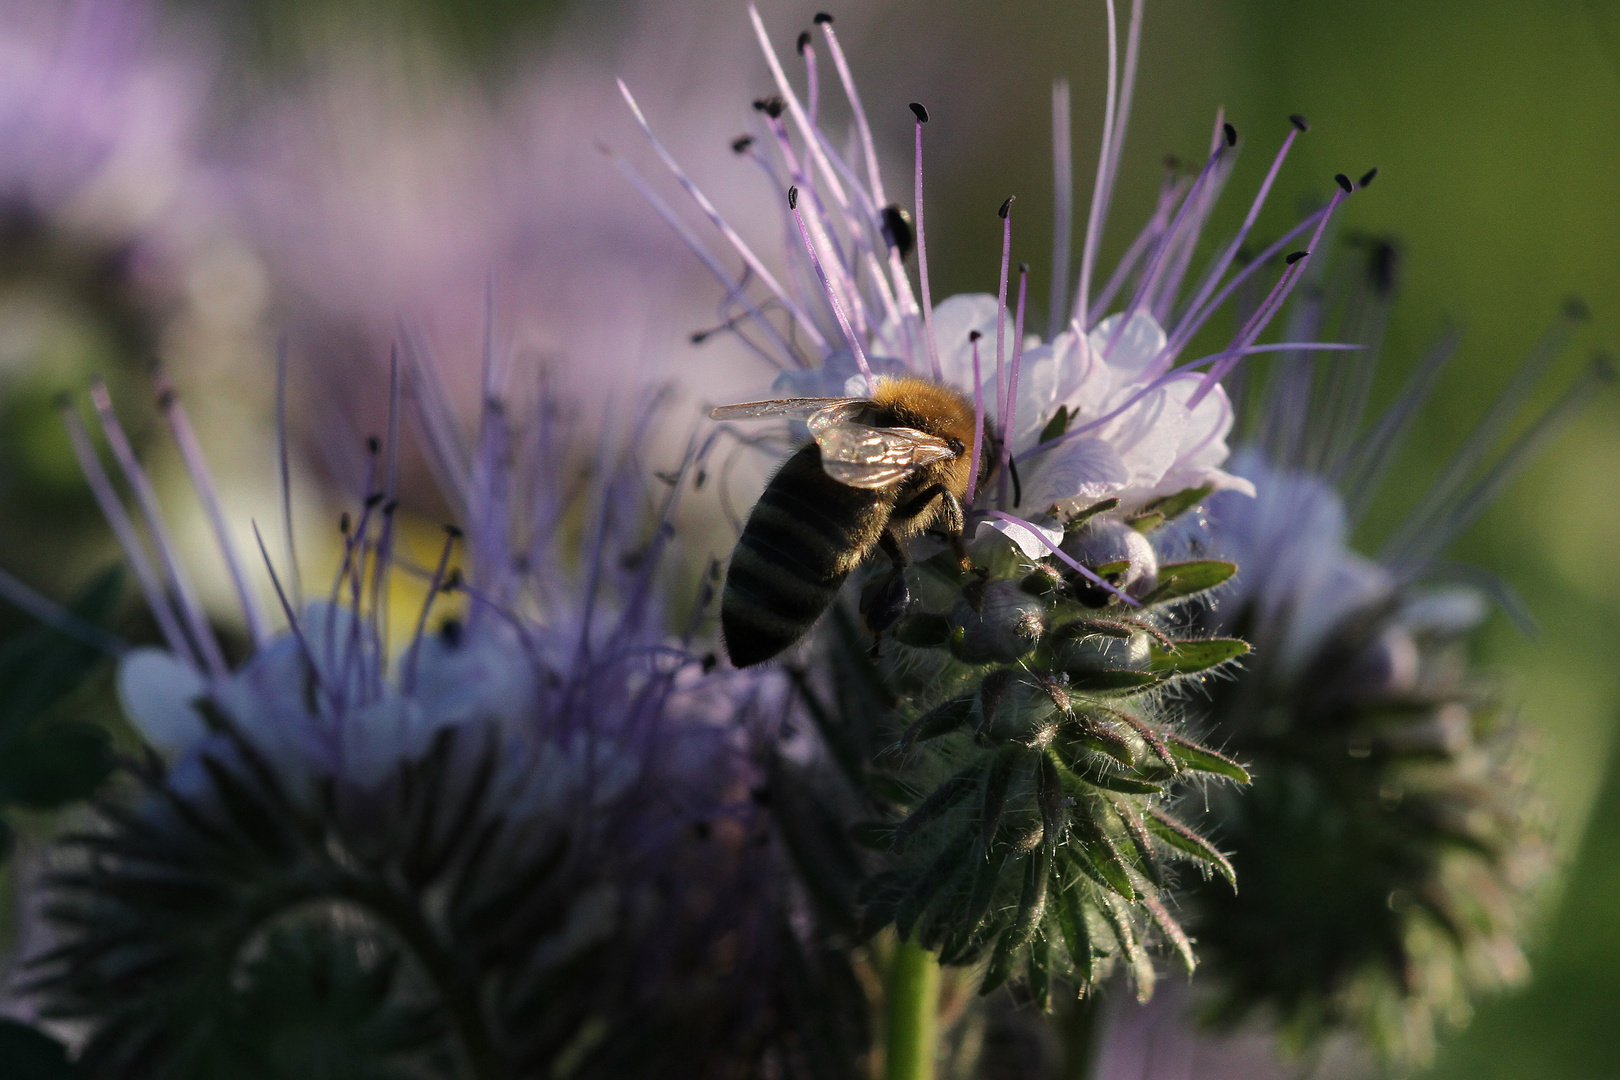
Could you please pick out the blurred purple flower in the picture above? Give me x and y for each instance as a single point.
(1391, 843)
(386, 189)
(99, 112)
(554, 785)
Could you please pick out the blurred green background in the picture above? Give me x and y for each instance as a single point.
(1496, 126)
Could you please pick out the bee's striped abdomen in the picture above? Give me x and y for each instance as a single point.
(804, 536)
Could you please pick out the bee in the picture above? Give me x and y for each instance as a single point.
(878, 471)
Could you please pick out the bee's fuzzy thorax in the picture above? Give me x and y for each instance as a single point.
(927, 406)
(940, 410)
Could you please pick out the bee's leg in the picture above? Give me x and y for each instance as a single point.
(886, 599)
(953, 522)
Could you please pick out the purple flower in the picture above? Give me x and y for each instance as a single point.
(1107, 406)
(1391, 842)
(553, 784)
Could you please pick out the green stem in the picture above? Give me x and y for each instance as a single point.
(1078, 1022)
(913, 1014)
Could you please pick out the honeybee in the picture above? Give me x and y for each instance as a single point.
(877, 472)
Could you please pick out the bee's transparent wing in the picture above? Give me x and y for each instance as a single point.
(793, 408)
(875, 457)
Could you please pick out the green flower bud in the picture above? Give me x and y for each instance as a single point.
(1104, 544)
(1000, 624)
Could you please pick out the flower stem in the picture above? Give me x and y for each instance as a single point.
(913, 1012)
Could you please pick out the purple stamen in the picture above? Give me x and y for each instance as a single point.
(286, 472)
(1236, 245)
(1011, 412)
(1062, 203)
(1169, 192)
(1122, 112)
(446, 449)
(1088, 574)
(1195, 320)
(1268, 309)
(1157, 261)
(737, 242)
(864, 129)
(813, 96)
(832, 297)
(435, 584)
(1094, 217)
(292, 616)
(922, 256)
(185, 438)
(806, 129)
(832, 256)
(190, 607)
(59, 618)
(705, 256)
(978, 421)
(1001, 307)
(118, 519)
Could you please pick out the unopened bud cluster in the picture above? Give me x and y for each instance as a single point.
(1027, 773)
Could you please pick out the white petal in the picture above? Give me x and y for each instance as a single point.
(156, 690)
(487, 677)
(1141, 341)
(1082, 470)
(954, 319)
(1147, 437)
(1025, 537)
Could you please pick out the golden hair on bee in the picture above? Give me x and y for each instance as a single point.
(878, 471)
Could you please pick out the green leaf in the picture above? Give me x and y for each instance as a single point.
(1203, 759)
(1177, 581)
(1055, 426)
(1115, 682)
(873, 835)
(1088, 513)
(942, 719)
(1125, 785)
(40, 666)
(1040, 972)
(1183, 839)
(1145, 523)
(1103, 854)
(29, 1054)
(1173, 505)
(1194, 656)
(50, 764)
